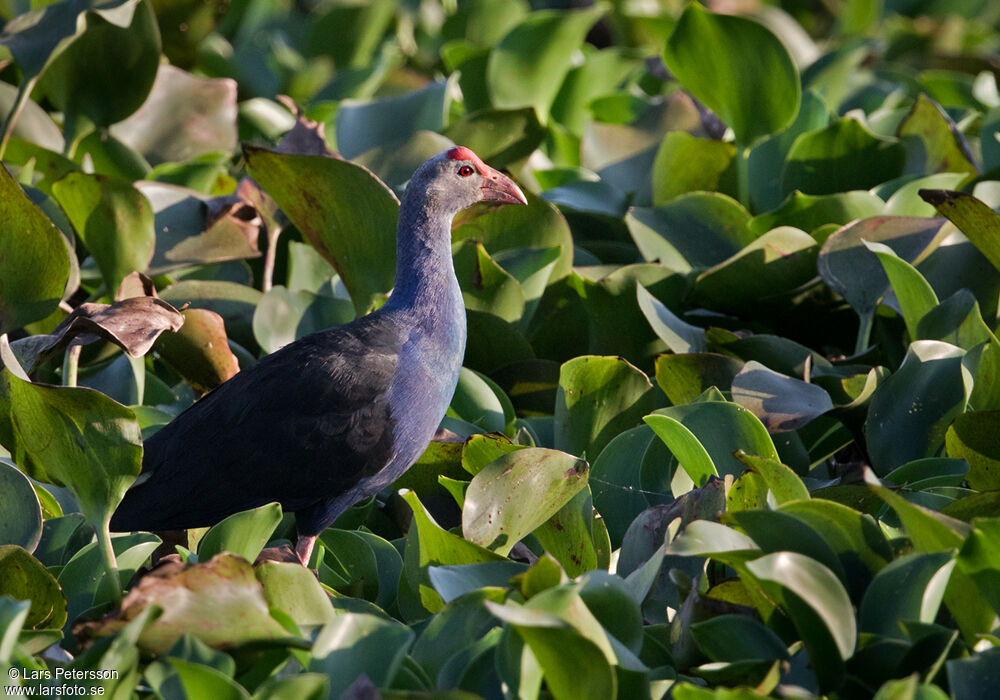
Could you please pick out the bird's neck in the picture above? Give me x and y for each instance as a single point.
(425, 273)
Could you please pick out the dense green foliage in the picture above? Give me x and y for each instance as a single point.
(729, 422)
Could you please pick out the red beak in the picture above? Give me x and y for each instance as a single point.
(497, 187)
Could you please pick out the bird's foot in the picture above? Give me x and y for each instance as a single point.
(304, 548)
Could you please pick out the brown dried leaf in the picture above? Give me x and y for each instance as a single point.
(200, 350)
(306, 138)
(220, 602)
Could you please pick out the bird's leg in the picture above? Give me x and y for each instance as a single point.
(304, 548)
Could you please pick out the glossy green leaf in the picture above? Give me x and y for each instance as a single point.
(782, 481)
(973, 217)
(283, 316)
(23, 577)
(818, 603)
(846, 264)
(933, 140)
(698, 229)
(686, 163)
(294, 590)
(516, 493)
(704, 435)
(499, 137)
(775, 263)
(843, 156)
(975, 437)
(527, 66)
(113, 218)
(355, 643)
(909, 588)
(681, 337)
(34, 266)
(320, 196)
(598, 397)
(736, 637)
(781, 403)
(200, 680)
(703, 537)
(51, 423)
(684, 378)
(809, 212)
(486, 286)
(561, 651)
(243, 534)
(365, 124)
(919, 401)
(744, 53)
(914, 294)
(20, 512)
(119, 48)
(184, 117)
(968, 678)
(433, 546)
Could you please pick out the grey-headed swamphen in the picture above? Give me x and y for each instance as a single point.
(337, 415)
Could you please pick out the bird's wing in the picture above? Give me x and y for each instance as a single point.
(305, 423)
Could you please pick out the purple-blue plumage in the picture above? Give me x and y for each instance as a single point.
(333, 417)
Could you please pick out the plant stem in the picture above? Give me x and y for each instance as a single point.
(71, 363)
(23, 95)
(110, 563)
(269, 256)
(867, 318)
(743, 175)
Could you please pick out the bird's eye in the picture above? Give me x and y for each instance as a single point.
(465, 170)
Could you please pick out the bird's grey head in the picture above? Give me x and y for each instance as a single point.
(457, 178)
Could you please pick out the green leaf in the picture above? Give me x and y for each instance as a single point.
(809, 212)
(20, 512)
(684, 378)
(104, 72)
(598, 397)
(680, 337)
(934, 141)
(234, 302)
(686, 163)
(979, 558)
(915, 295)
(243, 534)
(684, 445)
(294, 590)
(459, 624)
(973, 217)
(975, 437)
(527, 66)
(776, 263)
(362, 125)
(744, 53)
(708, 433)
(355, 643)
(185, 116)
(971, 677)
(561, 651)
(911, 411)
(23, 577)
(781, 403)
(320, 195)
(283, 316)
(855, 537)
(500, 137)
(198, 680)
(303, 686)
(819, 607)
(840, 157)
(737, 637)
(76, 437)
(34, 263)
(114, 220)
(849, 268)
(486, 286)
(518, 492)
(698, 229)
(782, 481)
(705, 537)
(570, 535)
(433, 546)
(908, 589)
